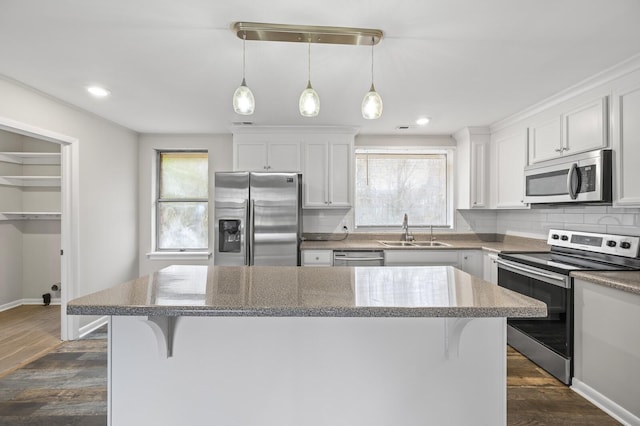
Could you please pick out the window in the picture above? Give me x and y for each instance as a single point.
(390, 184)
(182, 207)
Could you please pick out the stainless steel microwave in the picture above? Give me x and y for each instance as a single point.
(580, 178)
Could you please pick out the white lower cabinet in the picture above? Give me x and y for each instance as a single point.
(607, 349)
(317, 258)
(421, 257)
(470, 261)
(490, 267)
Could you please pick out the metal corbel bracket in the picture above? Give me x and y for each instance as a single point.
(163, 328)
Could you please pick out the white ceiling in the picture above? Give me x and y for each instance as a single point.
(172, 66)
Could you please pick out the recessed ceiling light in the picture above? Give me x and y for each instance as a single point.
(98, 92)
(423, 121)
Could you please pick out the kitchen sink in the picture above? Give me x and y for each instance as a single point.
(430, 244)
(413, 244)
(397, 243)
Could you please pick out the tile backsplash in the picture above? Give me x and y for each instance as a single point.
(536, 222)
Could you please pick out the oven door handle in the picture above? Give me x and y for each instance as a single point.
(557, 280)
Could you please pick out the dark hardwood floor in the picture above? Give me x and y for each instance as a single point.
(534, 397)
(68, 386)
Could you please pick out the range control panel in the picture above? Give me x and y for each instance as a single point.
(619, 245)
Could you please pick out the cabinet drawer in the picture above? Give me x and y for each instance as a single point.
(317, 258)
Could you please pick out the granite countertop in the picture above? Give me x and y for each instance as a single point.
(628, 281)
(277, 291)
(489, 242)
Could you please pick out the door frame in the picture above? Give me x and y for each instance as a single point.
(69, 223)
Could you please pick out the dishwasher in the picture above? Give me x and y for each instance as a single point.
(358, 258)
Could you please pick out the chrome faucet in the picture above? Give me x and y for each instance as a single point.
(405, 229)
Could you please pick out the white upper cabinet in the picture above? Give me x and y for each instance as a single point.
(545, 140)
(510, 157)
(472, 167)
(327, 172)
(266, 156)
(583, 128)
(626, 144)
(323, 154)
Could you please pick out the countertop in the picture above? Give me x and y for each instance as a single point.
(628, 281)
(279, 291)
(488, 242)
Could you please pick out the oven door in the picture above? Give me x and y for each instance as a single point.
(547, 341)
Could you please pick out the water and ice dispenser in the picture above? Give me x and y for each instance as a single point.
(230, 236)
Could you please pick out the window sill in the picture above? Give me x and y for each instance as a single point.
(179, 255)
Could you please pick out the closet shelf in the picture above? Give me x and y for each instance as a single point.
(30, 157)
(30, 180)
(30, 215)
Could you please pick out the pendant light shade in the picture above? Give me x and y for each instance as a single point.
(372, 102)
(243, 100)
(309, 103)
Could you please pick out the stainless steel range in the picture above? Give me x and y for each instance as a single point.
(545, 276)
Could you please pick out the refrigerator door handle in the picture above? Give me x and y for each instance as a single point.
(245, 231)
(252, 218)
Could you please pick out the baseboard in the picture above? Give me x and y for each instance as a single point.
(92, 326)
(21, 302)
(605, 404)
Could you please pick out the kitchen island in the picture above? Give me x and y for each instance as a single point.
(310, 346)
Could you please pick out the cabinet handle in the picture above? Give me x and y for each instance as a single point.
(317, 258)
(559, 149)
(565, 148)
(265, 167)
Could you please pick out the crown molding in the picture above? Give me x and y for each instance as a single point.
(608, 75)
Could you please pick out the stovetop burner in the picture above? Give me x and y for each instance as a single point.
(582, 251)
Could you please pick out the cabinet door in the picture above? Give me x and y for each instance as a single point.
(425, 257)
(479, 169)
(283, 157)
(339, 176)
(585, 127)
(626, 143)
(510, 156)
(545, 140)
(314, 176)
(490, 268)
(470, 261)
(250, 156)
(317, 258)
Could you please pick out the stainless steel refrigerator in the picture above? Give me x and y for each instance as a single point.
(258, 218)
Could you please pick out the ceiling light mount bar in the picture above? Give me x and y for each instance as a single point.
(306, 33)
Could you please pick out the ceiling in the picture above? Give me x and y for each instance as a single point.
(172, 66)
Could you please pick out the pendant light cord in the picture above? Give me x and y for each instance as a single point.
(372, 40)
(244, 40)
(309, 56)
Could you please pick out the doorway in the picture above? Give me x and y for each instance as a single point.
(69, 325)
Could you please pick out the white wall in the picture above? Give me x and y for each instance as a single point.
(107, 170)
(220, 149)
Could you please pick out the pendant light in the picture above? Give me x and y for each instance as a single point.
(243, 100)
(372, 102)
(309, 103)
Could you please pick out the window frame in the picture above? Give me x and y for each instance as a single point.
(448, 152)
(158, 200)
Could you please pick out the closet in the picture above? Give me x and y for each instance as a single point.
(29, 219)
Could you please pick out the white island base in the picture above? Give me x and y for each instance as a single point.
(308, 371)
